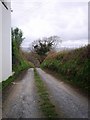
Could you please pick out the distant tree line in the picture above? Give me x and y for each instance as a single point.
(39, 50)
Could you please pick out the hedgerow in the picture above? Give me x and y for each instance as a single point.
(73, 65)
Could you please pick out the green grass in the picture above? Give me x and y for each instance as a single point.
(46, 106)
(73, 65)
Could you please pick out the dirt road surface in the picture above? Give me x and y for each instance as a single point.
(69, 103)
(20, 100)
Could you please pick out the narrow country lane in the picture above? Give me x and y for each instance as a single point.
(20, 100)
(69, 103)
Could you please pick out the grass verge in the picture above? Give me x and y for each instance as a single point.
(46, 106)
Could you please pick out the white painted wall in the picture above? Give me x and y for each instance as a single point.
(0, 41)
(5, 42)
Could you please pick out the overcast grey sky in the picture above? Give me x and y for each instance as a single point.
(43, 18)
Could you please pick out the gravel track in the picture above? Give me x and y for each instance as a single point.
(20, 100)
(69, 103)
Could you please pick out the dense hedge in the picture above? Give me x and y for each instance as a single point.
(19, 62)
(74, 65)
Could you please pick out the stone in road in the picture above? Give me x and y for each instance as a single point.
(69, 103)
(20, 100)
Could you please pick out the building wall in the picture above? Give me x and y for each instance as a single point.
(0, 41)
(6, 42)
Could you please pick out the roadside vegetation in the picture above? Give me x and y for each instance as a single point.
(19, 63)
(46, 106)
(72, 65)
